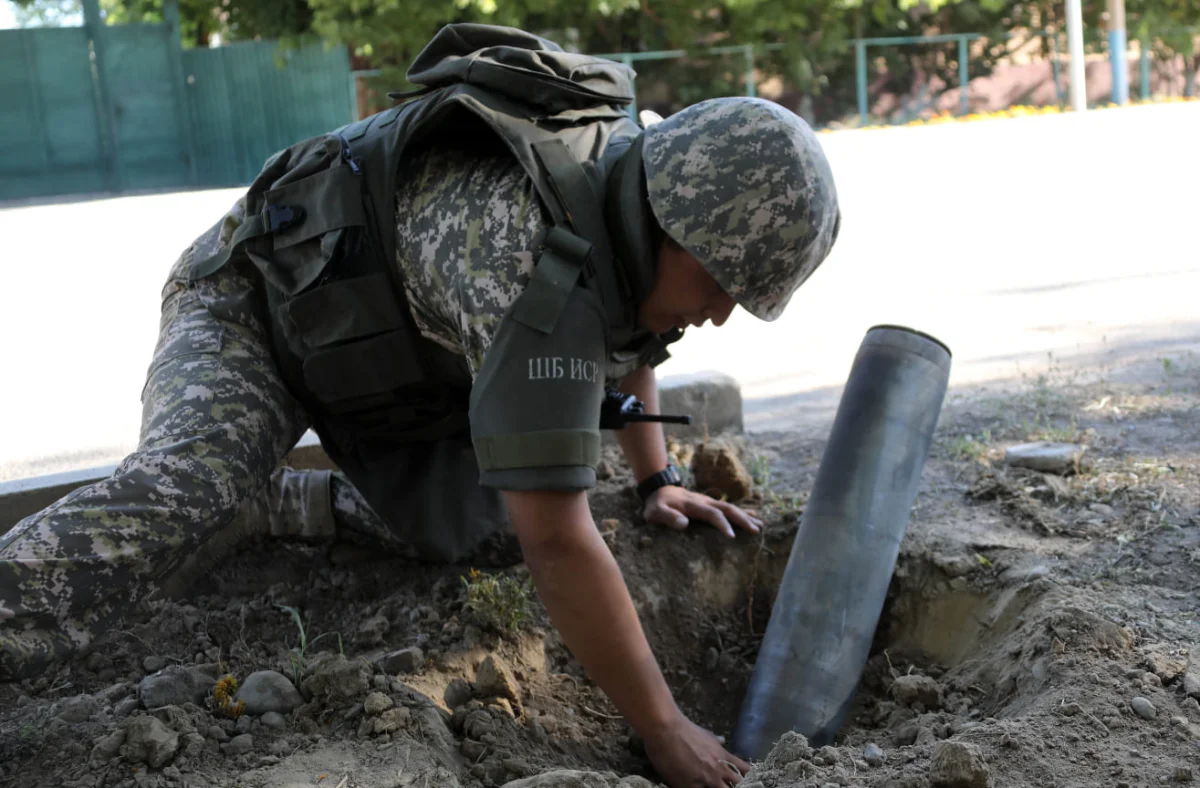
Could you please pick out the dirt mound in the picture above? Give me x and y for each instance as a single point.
(1037, 632)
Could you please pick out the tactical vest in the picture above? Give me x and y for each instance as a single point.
(390, 406)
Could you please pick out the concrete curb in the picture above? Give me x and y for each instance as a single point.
(22, 497)
(712, 399)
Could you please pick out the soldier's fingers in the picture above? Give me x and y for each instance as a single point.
(657, 514)
(738, 517)
(709, 514)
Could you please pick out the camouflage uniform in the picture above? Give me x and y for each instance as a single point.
(217, 419)
(740, 183)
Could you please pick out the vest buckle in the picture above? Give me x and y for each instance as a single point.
(281, 217)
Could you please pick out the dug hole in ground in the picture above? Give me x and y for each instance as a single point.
(1040, 631)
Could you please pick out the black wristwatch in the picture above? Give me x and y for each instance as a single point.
(665, 478)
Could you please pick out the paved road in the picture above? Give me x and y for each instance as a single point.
(1006, 239)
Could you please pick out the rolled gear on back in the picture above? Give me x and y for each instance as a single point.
(744, 186)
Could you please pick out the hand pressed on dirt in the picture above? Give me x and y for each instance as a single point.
(674, 507)
(687, 756)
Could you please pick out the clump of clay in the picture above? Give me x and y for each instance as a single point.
(716, 470)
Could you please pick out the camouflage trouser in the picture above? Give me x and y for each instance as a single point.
(216, 421)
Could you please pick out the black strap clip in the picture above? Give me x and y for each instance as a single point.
(281, 217)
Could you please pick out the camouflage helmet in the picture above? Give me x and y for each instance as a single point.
(743, 185)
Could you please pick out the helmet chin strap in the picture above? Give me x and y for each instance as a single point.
(631, 223)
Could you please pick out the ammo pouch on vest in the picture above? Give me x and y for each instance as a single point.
(390, 406)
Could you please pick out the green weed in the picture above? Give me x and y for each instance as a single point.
(297, 654)
(498, 602)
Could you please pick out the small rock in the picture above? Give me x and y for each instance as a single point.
(646, 542)
(373, 629)
(193, 745)
(1102, 509)
(910, 690)
(503, 704)
(377, 703)
(1182, 774)
(123, 708)
(239, 745)
(1143, 708)
(711, 659)
(604, 470)
(338, 679)
(392, 720)
(570, 778)
(1191, 675)
(958, 765)
(113, 693)
(1179, 722)
(107, 747)
(174, 686)
(494, 679)
(1047, 457)
(218, 733)
(150, 742)
(718, 471)
(458, 692)
(80, 708)
(473, 750)
(380, 682)
(268, 690)
(873, 755)
(154, 663)
(275, 721)
(406, 660)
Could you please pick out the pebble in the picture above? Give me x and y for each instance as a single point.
(380, 682)
(1044, 456)
(458, 692)
(173, 686)
(148, 741)
(1179, 722)
(218, 733)
(494, 678)
(711, 658)
(243, 723)
(154, 663)
(107, 747)
(268, 690)
(1143, 708)
(873, 755)
(377, 703)
(958, 765)
(1183, 774)
(239, 745)
(124, 708)
(911, 690)
(274, 720)
(406, 660)
(80, 708)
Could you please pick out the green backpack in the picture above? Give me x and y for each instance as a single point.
(386, 402)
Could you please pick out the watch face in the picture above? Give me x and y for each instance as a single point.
(673, 475)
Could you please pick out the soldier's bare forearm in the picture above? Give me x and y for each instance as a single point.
(643, 444)
(585, 594)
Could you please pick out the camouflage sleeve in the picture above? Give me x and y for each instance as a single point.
(535, 404)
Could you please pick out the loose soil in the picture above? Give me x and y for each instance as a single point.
(1039, 631)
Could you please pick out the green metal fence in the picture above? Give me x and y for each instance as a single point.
(124, 108)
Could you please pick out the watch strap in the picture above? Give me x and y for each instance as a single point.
(668, 477)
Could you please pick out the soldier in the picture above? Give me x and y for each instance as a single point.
(458, 385)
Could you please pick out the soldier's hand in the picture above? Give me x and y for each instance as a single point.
(674, 507)
(687, 756)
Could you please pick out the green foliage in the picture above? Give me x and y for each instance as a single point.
(498, 602)
(297, 653)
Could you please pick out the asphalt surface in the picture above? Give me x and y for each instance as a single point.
(1013, 241)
